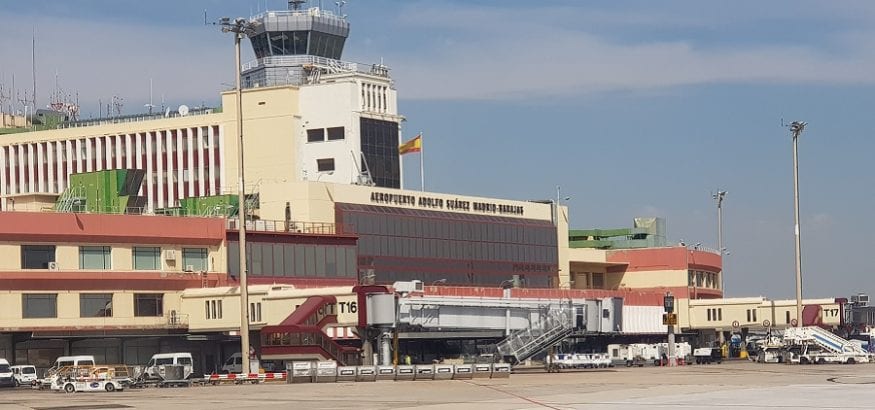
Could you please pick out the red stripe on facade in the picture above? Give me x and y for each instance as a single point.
(97, 228)
(655, 259)
(108, 280)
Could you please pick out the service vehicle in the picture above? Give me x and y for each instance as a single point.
(155, 369)
(61, 363)
(90, 379)
(25, 375)
(708, 355)
(6, 377)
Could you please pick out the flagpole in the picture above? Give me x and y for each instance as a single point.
(421, 161)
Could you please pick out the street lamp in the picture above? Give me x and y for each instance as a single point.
(719, 197)
(240, 27)
(796, 128)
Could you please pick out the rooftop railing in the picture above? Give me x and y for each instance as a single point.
(324, 62)
(312, 11)
(318, 228)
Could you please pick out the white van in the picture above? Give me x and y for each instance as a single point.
(234, 364)
(6, 378)
(155, 368)
(25, 375)
(65, 361)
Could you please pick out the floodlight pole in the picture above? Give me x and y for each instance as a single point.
(239, 27)
(719, 197)
(796, 128)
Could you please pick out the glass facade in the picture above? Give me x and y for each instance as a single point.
(380, 148)
(282, 43)
(397, 244)
(294, 260)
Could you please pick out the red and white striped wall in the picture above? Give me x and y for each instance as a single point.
(179, 163)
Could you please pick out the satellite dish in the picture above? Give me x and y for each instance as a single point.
(183, 110)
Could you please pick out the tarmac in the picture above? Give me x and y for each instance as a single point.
(731, 385)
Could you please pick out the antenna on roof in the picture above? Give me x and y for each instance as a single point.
(150, 105)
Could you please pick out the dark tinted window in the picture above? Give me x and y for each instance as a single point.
(325, 164)
(37, 256)
(316, 135)
(148, 304)
(39, 305)
(336, 133)
(380, 149)
(95, 305)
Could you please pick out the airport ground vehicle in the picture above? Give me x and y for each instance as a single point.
(155, 369)
(90, 379)
(581, 360)
(61, 363)
(707, 355)
(6, 378)
(24, 375)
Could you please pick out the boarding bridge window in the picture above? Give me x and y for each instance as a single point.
(95, 305)
(37, 256)
(213, 309)
(255, 312)
(148, 304)
(336, 133)
(39, 305)
(325, 164)
(95, 257)
(316, 135)
(194, 259)
(147, 258)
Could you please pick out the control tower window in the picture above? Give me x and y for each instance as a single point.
(259, 45)
(287, 43)
(326, 45)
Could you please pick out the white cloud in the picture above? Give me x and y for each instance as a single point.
(504, 54)
(99, 60)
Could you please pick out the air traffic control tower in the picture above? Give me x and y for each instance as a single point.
(293, 46)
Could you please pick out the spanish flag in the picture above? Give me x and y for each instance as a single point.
(414, 145)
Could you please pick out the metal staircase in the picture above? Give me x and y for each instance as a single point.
(520, 345)
(823, 338)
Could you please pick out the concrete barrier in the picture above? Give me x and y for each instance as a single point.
(482, 370)
(302, 372)
(405, 372)
(386, 372)
(368, 374)
(501, 370)
(346, 373)
(423, 372)
(326, 372)
(463, 372)
(443, 372)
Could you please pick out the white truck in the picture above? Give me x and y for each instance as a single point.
(25, 375)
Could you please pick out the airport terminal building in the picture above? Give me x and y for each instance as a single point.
(118, 236)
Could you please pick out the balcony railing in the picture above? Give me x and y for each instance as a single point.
(177, 321)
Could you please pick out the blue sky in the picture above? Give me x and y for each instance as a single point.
(634, 108)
